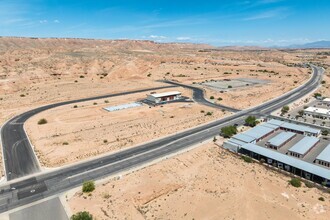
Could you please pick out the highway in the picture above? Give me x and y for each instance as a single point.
(18, 192)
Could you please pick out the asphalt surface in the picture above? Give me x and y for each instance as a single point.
(199, 97)
(19, 157)
(20, 192)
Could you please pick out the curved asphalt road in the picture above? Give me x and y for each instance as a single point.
(19, 192)
(19, 158)
(199, 97)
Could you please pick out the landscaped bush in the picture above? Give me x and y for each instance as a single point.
(247, 159)
(82, 216)
(88, 186)
(212, 97)
(295, 182)
(42, 121)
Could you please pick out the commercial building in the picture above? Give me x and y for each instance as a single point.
(294, 165)
(163, 97)
(280, 140)
(303, 146)
(324, 157)
(321, 113)
(326, 101)
(299, 129)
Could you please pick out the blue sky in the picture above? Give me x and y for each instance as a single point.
(222, 22)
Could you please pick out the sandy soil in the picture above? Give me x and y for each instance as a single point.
(72, 134)
(205, 183)
(35, 72)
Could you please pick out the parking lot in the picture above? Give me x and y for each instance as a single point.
(223, 85)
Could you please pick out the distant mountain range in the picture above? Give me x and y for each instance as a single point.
(317, 44)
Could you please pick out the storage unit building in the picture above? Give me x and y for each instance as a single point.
(164, 97)
(296, 166)
(324, 157)
(326, 101)
(299, 129)
(301, 148)
(280, 140)
(259, 132)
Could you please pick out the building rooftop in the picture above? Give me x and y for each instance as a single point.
(326, 100)
(281, 138)
(164, 94)
(304, 145)
(236, 142)
(318, 110)
(258, 131)
(243, 137)
(292, 161)
(266, 124)
(295, 127)
(325, 154)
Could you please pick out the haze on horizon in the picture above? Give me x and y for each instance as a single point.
(219, 23)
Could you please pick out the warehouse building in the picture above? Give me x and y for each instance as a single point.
(251, 136)
(280, 140)
(303, 146)
(321, 113)
(299, 129)
(324, 157)
(296, 166)
(163, 97)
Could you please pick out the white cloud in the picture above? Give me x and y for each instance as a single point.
(158, 37)
(56, 21)
(278, 12)
(183, 38)
(43, 21)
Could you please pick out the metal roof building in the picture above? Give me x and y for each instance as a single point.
(268, 125)
(163, 97)
(280, 139)
(244, 138)
(301, 148)
(291, 161)
(259, 132)
(295, 127)
(324, 157)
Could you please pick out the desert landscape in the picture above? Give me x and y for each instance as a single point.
(76, 132)
(204, 183)
(37, 72)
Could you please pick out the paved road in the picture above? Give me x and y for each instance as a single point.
(17, 193)
(19, 158)
(199, 97)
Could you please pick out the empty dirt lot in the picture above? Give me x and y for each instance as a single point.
(83, 130)
(205, 183)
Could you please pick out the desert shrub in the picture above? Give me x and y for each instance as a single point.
(95, 103)
(209, 113)
(105, 141)
(106, 101)
(202, 111)
(285, 109)
(228, 131)
(309, 185)
(88, 186)
(211, 97)
(75, 106)
(251, 121)
(65, 143)
(325, 132)
(295, 182)
(219, 99)
(247, 159)
(82, 216)
(149, 75)
(322, 199)
(42, 121)
(22, 95)
(81, 76)
(229, 87)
